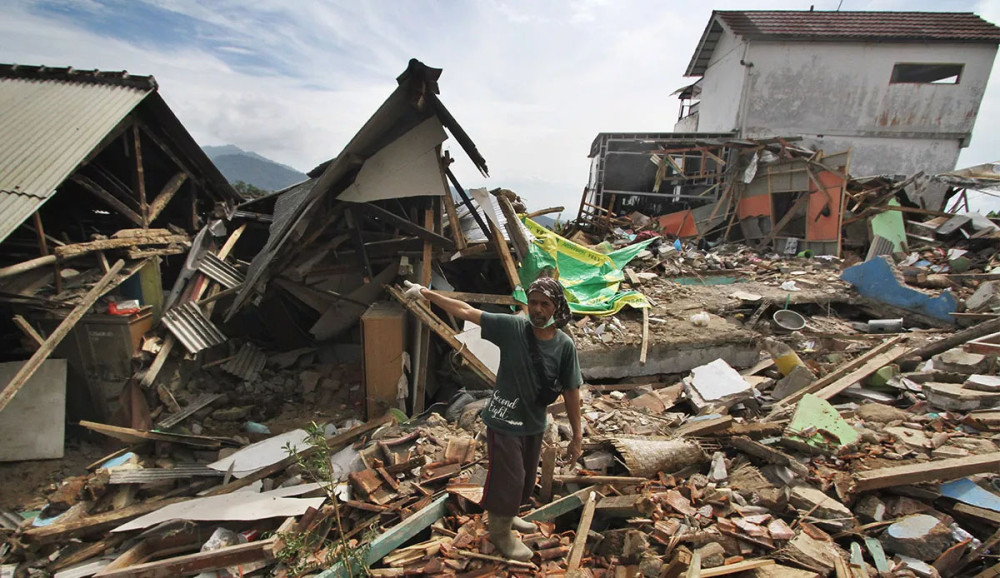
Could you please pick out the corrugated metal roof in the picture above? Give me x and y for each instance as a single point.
(219, 270)
(247, 363)
(48, 124)
(190, 326)
(824, 26)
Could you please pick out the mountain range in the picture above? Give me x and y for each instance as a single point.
(237, 164)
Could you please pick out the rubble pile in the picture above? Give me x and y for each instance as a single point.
(766, 394)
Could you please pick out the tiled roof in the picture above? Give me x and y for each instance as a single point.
(798, 25)
(879, 26)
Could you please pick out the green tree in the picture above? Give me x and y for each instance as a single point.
(248, 191)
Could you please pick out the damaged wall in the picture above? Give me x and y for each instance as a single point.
(782, 81)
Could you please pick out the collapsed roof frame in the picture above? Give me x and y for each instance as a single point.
(412, 103)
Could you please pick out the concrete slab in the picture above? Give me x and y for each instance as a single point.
(33, 425)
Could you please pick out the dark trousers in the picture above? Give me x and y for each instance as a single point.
(513, 468)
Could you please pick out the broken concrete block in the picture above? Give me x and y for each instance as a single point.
(779, 530)
(880, 413)
(959, 361)
(869, 508)
(716, 383)
(919, 568)
(712, 555)
(814, 554)
(986, 298)
(955, 397)
(601, 460)
(717, 472)
(990, 383)
(806, 499)
(919, 536)
(799, 378)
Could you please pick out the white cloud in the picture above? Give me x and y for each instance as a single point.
(532, 83)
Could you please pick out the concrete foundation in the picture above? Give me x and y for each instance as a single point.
(668, 357)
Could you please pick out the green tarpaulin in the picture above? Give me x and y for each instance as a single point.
(592, 280)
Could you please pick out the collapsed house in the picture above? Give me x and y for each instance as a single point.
(900, 89)
(95, 168)
(818, 399)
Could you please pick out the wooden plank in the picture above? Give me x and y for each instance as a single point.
(166, 194)
(611, 480)
(69, 251)
(132, 436)
(393, 538)
(981, 514)
(449, 204)
(197, 563)
(87, 551)
(580, 541)
(96, 524)
(514, 230)
(841, 371)
(974, 332)
(109, 199)
(106, 282)
(704, 426)
(645, 336)
(424, 342)
(563, 505)
(425, 315)
(873, 365)
(139, 176)
(28, 330)
(503, 251)
(548, 469)
(948, 469)
(481, 298)
(373, 211)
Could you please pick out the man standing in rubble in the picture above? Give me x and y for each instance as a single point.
(537, 361)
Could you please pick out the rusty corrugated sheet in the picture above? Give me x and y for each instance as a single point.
(247, 364)
(48, 126)
(220, 271)
(190, 326)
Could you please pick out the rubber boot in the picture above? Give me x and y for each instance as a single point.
(504, 540)
(523, 526)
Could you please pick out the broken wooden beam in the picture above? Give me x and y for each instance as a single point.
(371, 210)
(65, 326)
(582, 530)
(948, 469)
(841, 371)
(425, 315)
(199, 562)
(96, 524)
(559, 507)
(610, 480)
(393, 538)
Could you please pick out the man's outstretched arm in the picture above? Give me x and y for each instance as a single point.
(458, 309)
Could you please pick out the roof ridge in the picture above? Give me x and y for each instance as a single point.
(70, 74)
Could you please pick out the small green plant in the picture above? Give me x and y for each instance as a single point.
(300, 546)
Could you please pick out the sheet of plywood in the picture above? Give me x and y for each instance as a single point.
(262, 454)
(32, 426)
(227, 507)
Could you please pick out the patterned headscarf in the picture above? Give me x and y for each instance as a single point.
(553, 290)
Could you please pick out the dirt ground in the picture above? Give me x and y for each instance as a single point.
(25, 484)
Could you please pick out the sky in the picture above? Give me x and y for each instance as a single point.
(531, 82)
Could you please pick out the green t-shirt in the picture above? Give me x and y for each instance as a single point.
(512, 409)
